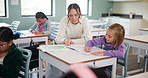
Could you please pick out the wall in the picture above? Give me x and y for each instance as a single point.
(140, 8)
(14, 12)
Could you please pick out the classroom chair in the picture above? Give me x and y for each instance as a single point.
(15, 25)
(24, 73)
(145, 63)
(124, 61)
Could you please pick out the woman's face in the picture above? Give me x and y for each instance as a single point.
(74, 16)
(4, 46)
(110, 35)
(39, 20)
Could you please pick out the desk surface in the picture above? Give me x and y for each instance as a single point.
(139, 38)
(142, 75)
(27, 34)
(5, 25)
(143, 29)
(96, 22)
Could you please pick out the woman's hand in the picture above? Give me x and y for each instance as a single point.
(87, 49)
(68, 41)
(98, 53)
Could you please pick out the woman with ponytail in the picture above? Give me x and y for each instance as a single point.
(11, 58)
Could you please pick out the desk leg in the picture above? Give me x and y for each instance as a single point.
(40, 66)
(114, 69)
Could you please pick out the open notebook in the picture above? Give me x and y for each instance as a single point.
(80, 48)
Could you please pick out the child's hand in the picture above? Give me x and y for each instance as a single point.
(87, 49)
(68, 41)
(98, 53)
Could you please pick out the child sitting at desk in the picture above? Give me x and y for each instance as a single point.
(112, 43)
(11, 58)
(42, 25)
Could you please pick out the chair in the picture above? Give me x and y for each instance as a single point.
(15, 25)
(24, 73)
(145, 63)
(124, 61)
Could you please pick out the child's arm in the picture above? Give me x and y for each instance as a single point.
(118, 52)
(87, 49)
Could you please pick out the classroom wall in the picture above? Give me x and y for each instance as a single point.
(140, 8)
(14, 12)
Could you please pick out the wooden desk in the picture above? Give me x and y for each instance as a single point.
(141, 75)
(143, 31)
(140, 41)
(27, 36)
(63, 59)
(98, 32)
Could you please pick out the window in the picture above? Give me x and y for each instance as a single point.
(84, 5)
(31, 7)
(2, 8)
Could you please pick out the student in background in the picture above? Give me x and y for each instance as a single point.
(82, 71)
(73, 26)
(42, 25)
(11, 58)
(112, 42)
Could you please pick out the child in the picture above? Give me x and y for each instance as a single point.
(82, 71)
(11, 58)
(112, 43)
(41, 26)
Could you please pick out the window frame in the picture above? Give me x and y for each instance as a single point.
(5, 9)
(45, 14)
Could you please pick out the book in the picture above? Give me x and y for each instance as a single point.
(52, 48)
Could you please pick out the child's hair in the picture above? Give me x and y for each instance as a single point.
(40, 15)
(82, 71)
(7, 35)
(74, 6)
(119, 33)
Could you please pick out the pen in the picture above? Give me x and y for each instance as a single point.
(85, 39)
(73, 49)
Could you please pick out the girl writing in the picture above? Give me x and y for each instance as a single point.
(42, 25)
(112, 43)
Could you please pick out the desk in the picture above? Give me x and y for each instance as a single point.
(27, 36)
(5, 25)
(143, 31)
(98, 32)
(97, 22)
(140, 41)
(63, 59)
(141, 75)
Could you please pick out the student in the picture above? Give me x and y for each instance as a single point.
(11, 58)
(82, 71)
(42, 25)
(112, 43)
(73, 26)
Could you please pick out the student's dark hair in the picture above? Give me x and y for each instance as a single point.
(40, 15)
(74, 6)
(7, 35)
(100, 73)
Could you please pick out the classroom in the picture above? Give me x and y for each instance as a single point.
(73, 38)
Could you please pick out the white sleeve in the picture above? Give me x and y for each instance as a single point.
(62, 31)
(87, 29)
